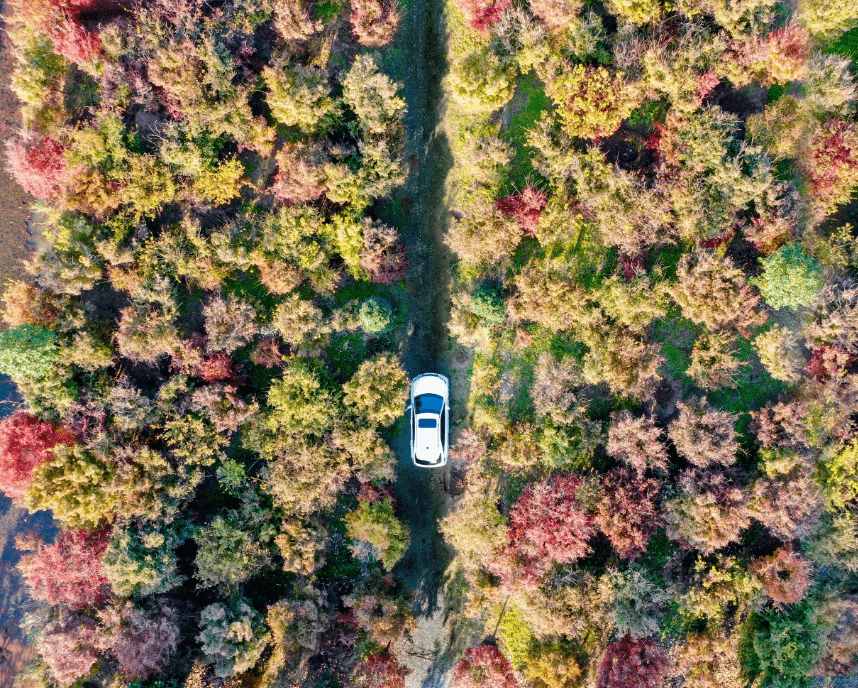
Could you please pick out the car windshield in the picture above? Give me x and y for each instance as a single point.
(427, 423)
(428, 403)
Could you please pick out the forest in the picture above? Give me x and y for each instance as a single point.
(651, 220)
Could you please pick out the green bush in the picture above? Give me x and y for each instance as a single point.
(487, 304)
(376, 315)
(790, 278)
(27, 351)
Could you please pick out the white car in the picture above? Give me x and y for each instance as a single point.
(430, 420)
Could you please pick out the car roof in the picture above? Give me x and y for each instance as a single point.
(429, 383)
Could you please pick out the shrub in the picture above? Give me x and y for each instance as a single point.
(67, 572)
(376, 315)
(27, 352)
(378, 390)
(39, 167)
(376, 533)
(25, 444)
(790, 278)
(487, 304)
(547, 522)
(633, 663)
(484, 666)
(374, 22)
(704, 435)
(627, 512)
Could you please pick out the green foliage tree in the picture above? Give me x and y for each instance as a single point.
(299, 404)
(378, 390)
(232, 637)
(376, 533)
(376, 315)
(27, 351)
(298, 95)
(141, 560)
(790, 278)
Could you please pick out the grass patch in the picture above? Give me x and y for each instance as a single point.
(531, 93)
(846, 45)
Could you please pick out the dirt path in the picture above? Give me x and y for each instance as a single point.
(421, 58)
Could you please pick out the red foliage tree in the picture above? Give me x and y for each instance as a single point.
(525, 207)
(785, 575)
(483, 14)
(25, 443)
(219, 366)
(380, 670)
(628, 512)
(60, 20)
(831, 163)
(39, 166)
(633, 663)
(548, 524)
(484, 666)
(68, 571)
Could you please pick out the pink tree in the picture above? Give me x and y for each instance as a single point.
(633, 663)
(483, 14)
(547, 522)
(60, 20)
(381, 670)
(68, 650)
(628, 512)
(484, 666)
(142, 642)
(39, 166)
(25, 443)
(68, 571)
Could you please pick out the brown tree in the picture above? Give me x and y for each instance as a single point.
(786, 575)
(637, 442)
(628, 512)
(704, 435)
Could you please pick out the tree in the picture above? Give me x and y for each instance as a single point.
(39, 166)
(790, 278)
(296, 628)
(484, 666)
(68, 648)
(230, 323)
(629, 365)
(383, 254)
(547, 522)
(380, 670)
(299, 404)
(298, 95)
(67, 572)
(487, 304)
(378, 390)
(705, 660)
(376, 315)
(786, 645)
(484, 236)
(377, 533)
(712, 292)
(482, 15)
(60, 20)
(300, 174)
(374, 22)
(831, 164)
(300, 323)
(27, 352)
(636, 11)
(633, 663)
(25, 444)
(141, 560)
(481, 80)
(557, 15)
(233, 637)
(373, 97)
(380, 607)
(143, 643)
(591, 101)
(785, 497)
(637, 442)
(76, 486)
(785, 575)
(146, 333)
(825, 20)
(553, 666)
(230, 550)
(638, 602)
(704, 435)
(708, 512)
(547, 298)
(525, 207)
(628, 513)
(780, 354)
